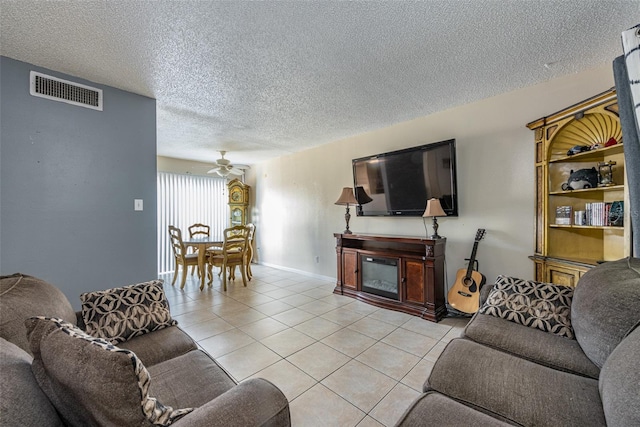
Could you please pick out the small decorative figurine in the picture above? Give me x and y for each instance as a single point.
(605, 170)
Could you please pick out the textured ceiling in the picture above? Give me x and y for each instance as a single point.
(263, 79)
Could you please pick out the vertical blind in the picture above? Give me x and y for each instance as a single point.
(184, 200)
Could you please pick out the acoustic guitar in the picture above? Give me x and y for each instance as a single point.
(464, 295)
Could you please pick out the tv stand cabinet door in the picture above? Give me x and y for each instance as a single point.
(413, 281)
(350, 269)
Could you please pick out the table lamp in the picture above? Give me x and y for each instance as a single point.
(362, 197)
(347, 198)
(434, 210)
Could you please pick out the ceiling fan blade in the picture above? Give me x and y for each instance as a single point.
(215, 169)
(236, 170)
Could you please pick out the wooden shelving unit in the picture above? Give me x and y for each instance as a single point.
(563, 252)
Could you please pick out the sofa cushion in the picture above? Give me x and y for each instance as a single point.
(544, 306)
(23, 296)
(90, 381)
(22, 402)
(439, 410)
(516, 389)
(120, 314)
(620, 383)
(533, 344)
(163, 344)
(190, 380)
(606, 305)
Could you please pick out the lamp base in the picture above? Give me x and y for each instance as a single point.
(347, 232)
(435, 234)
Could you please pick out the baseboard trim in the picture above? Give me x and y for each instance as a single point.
(301, 272)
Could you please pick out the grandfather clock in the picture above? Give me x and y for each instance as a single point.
(238, 202)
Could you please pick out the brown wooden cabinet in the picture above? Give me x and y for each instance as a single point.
(564, 144)
(396, 272)
(350, 268)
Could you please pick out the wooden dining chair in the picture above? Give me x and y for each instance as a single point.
(195, 230)
(181, 256)
(249, 256)
(234, 254)
(252, 234)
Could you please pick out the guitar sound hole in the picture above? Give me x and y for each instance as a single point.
(470, 283)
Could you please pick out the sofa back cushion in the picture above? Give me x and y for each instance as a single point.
(22, 297)
(620, 383)
(606, 305)
(90, 381)
(22, 402)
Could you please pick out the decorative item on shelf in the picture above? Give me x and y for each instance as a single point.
(434, 210)
(610, 142)
(347, 198)
(362, 197)
(605, 170)
(582, 178)
(563, 215)
(616, 214)
(577, 149)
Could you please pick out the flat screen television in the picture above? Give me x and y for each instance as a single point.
(399, 183)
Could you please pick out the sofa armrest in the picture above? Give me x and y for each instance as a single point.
(484, 293)
(255, 402)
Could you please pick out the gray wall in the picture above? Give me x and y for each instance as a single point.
(68, 179)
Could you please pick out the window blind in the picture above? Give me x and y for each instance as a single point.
(184, 200)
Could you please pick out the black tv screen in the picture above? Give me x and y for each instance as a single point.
(399, 183)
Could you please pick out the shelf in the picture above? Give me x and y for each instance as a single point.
(581, 192)
(591, 155)
(588, 227)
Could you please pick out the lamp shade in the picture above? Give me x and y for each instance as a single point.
(347, 197)
(434, 208)
(362, 196)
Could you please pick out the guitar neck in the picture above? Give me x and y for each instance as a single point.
(472, 259)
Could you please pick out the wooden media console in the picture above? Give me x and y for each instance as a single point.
(395, 272)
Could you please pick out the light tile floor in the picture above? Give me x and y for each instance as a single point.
(339, 361)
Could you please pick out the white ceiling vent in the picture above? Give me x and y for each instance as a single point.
(57, 89)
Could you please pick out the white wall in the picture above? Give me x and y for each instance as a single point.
(294, 195)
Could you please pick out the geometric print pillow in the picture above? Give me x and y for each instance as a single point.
(154, 411)
(120, 314)
(544, 306)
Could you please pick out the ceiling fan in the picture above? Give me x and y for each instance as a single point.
(224, 167)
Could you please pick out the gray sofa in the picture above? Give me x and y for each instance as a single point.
(53, 374)
(500, 372)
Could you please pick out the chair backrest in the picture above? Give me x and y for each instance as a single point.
(252, 232)
(198, 228)
(234, 247)
(177, 245)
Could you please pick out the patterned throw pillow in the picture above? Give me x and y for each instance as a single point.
(52, 372)
(120, 314)
(544, 306)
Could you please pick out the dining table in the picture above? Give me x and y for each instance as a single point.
(202, 243)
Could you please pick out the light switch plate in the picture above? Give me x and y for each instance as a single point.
(137, 204)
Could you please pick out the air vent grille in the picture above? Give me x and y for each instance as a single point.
(56, 89)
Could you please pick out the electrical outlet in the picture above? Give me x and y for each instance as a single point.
(137, 204)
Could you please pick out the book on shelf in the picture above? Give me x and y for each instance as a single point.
(604, 214)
